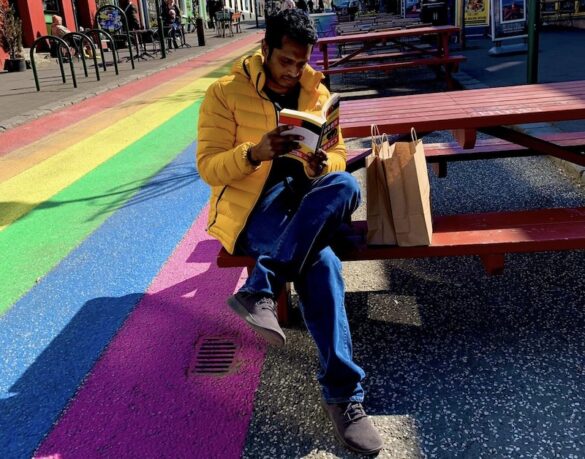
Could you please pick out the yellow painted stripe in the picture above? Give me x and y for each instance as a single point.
(26, 157)
(37, 184)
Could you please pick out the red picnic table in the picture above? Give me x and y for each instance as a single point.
(410, 54)
(489, 110)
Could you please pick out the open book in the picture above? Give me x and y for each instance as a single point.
(318, 131)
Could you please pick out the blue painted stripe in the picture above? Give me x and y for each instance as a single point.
(52, 337)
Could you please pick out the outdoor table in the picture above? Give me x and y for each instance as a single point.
(489, 110)
(417, 55)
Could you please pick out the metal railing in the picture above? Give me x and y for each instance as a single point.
(70, 38)
(60, 44)
(96, 35)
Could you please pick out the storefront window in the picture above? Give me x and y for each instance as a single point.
(51, 6)
(100, 3)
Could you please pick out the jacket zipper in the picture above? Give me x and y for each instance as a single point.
(262, 190)
(216, 206)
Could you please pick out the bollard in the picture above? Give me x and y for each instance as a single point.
(200, 33)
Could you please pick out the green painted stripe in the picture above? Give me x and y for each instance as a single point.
(35, 243)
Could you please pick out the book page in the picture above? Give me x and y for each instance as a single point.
(305, 125)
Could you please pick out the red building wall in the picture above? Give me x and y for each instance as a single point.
(33, 20)
(87, 10)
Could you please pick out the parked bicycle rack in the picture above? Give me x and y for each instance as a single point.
(81, 52)
(60, 43)
(112, 18)
(96, 35)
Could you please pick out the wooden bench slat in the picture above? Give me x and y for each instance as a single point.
(430, 103)
(467, 234)
(484, 149)
(479, 97)
(373, 57)
(484, 234)
(359, 124)
(431, 61)
(375, 36)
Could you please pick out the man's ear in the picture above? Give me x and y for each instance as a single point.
(264, 49)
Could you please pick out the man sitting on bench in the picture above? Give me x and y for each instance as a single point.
(282, 212)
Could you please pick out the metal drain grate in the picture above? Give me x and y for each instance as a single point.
(214, 356)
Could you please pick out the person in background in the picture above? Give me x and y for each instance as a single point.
(175, 28)
(59, 30)
(167, 6)
(284, 212)
(131, 13)
(302, 5)
(310, 5)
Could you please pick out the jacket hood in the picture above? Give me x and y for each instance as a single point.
(252, 67)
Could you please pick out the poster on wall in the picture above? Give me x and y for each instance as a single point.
(476, 12)
(508, 19)
(411, 8)
(110, 19)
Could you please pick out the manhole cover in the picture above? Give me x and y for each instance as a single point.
(214, 356)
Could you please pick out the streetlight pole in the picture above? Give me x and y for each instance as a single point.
(161, 30)
(256, 12)
(533, 41)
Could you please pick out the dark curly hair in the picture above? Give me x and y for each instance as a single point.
(293, 23)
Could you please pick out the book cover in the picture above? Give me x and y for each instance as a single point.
(319, 131)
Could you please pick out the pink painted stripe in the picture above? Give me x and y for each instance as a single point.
(30, 132)
(140, 400)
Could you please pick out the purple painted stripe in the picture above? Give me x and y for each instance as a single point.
(140, 400)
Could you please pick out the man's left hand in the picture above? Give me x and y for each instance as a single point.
(317, 163)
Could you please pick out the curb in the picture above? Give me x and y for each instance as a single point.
(466, 81)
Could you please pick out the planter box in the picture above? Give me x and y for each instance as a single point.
(15, 65)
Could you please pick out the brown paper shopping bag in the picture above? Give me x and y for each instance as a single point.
(379, 212)
(409, 189)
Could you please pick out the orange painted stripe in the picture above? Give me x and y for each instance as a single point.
(24, 158)
(35, 130)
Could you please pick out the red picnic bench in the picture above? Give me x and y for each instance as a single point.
(436, 58)
(487, 235)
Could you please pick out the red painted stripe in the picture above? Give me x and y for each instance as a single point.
(35, 130)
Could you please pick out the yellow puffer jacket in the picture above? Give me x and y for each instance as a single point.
(234, 115)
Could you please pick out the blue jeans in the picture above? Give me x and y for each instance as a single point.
(288, 233)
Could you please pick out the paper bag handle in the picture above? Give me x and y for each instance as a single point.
(375, 133)
(413, 135)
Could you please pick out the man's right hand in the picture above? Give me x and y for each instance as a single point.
(274, 144)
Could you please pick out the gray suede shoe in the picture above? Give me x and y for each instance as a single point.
(260, 313)
(353, 428)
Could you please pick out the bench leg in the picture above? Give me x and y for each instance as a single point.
(283, 305)
(493, 263)
(440, 169)
(450, 82)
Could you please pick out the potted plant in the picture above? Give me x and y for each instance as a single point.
(11, 38)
